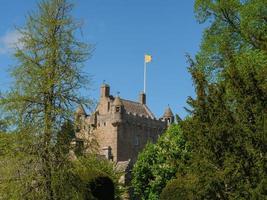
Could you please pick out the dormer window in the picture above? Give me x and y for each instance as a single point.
(117, 109)
(117, 104)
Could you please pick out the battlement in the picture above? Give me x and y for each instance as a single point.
(121, 127)
(143, 119)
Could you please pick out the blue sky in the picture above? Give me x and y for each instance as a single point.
(123, 31)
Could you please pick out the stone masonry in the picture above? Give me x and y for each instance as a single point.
(120, 127)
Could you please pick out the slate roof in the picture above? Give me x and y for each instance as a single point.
(138, 108)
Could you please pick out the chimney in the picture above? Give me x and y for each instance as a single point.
(142, 98)
(105, 90)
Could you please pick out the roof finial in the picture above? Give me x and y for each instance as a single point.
(118, 93)
(104, 81)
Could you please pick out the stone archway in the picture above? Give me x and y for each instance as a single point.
(102, 188)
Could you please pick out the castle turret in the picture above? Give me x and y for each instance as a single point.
(80, 111)
(121, 128)
(79, 118)
(117, 105)
(105, 90)
(117, 111)
(168, 116)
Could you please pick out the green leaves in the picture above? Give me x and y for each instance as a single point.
(226, 129)
(47, 80)
(89, 168)
(159, 162)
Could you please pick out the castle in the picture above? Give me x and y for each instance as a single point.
(120, 127)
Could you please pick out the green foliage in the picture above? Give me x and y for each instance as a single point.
(180, 188)
(20, 175)
(35, 160)
(226, 128)
(3, 125)
(89, 168)
(159, 162)
(47, 80)
(18, 166)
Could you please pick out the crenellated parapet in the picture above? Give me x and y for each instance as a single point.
(120, 127)
(147, 121)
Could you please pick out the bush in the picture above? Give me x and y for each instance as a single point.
(180, 188)
(97, 174)
(158, 163)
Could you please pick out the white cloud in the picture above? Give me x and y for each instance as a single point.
(9, 41)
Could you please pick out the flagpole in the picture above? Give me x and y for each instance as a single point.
(144, 76)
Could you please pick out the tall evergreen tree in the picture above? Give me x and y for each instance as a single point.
(226, 128)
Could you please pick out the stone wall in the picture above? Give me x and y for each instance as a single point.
(120, 135)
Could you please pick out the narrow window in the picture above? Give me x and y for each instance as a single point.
(136, 140)
(108, 106)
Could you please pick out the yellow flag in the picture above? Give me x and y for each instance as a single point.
(148, 58)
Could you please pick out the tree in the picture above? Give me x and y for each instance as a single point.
(226, 127)
(92, 170)
(158, 163)
(179, 188)
(48, 77)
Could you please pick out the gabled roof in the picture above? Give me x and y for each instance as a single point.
(136, 107)
(117, 101)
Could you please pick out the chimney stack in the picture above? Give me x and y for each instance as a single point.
(142, 98)
(105, 90)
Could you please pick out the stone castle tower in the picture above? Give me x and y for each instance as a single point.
(121, 127)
